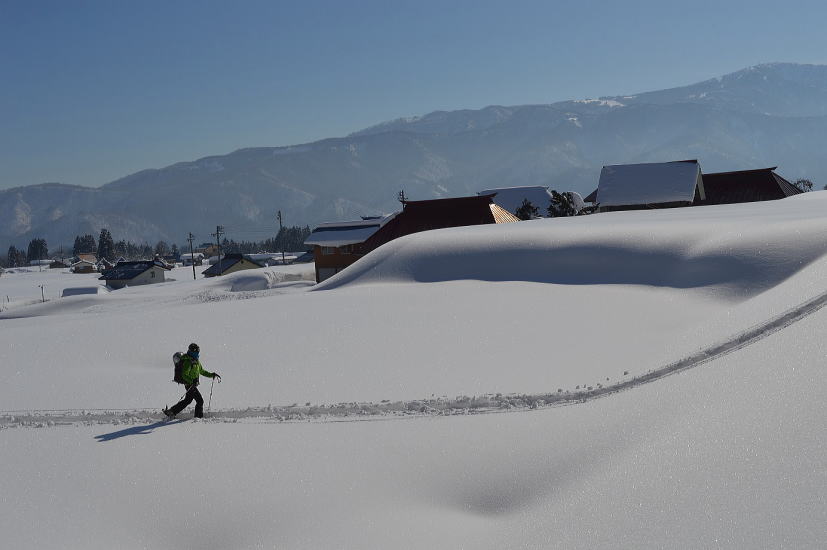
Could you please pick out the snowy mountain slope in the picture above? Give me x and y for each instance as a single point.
(777, 89)
(763, 116)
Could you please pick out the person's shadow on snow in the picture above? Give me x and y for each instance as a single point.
(136, 430)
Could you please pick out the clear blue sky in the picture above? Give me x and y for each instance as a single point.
(94, 90)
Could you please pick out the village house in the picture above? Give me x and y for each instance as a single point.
(681, 183)
(338, 245)
(761, 184)
(84, 266)
(650, 185)
(188, 259)
(230, 263)
(141, 272)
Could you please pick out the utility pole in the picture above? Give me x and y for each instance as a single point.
(192, 255)
(402, 197)
(282, 238)
(219, 230)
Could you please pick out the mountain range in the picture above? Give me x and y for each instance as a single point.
(767, 115)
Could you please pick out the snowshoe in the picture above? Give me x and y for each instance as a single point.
(168, 413)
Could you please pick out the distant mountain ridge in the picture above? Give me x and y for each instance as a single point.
(767, 115)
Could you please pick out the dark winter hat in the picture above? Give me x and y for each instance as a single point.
(194, 348)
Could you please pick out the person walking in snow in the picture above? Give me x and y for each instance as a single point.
(191, 370)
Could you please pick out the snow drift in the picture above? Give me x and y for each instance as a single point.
(727, 452)
(739, 250)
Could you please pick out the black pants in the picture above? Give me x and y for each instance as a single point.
(192, 393)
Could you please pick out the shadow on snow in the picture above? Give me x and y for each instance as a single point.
(136, 430)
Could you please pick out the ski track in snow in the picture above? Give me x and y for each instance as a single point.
(442, 406)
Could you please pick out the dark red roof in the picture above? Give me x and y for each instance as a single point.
(419, 216)
(760, 184)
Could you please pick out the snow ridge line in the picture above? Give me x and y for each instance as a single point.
(460, 405)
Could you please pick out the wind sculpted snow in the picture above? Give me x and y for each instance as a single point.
(729, 454)
(736, 250)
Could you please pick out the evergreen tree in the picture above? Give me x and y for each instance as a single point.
(527, 211)
(175, 251)
(562, 205)
(84, 245)
(120, 249)
(37, 250)
(11, 258)
(106, 245)
(803, 185)
(288, 239)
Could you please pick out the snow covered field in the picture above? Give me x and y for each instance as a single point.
(726, 453)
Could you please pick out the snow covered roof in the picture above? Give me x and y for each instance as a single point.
(125, 271)
(226, 262)
(511, 198)
(344, 233)
(652, 183)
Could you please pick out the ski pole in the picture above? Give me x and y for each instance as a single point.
(210, 401)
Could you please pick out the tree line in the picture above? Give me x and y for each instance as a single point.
(289, 239)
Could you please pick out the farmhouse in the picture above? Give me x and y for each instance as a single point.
(761, 184)
(84, 266)
(188, 259)
(419, 216)
(141, 272)
(681, 183)
(337, 246)
(651, 185)
(230, 263)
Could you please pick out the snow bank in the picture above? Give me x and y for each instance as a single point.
(256, 279)
(739, 250)
(83, 290)
(728, 453)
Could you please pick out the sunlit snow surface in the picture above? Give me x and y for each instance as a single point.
(727, 454)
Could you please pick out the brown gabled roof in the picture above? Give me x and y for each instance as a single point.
(759, 184)
(419, 216)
